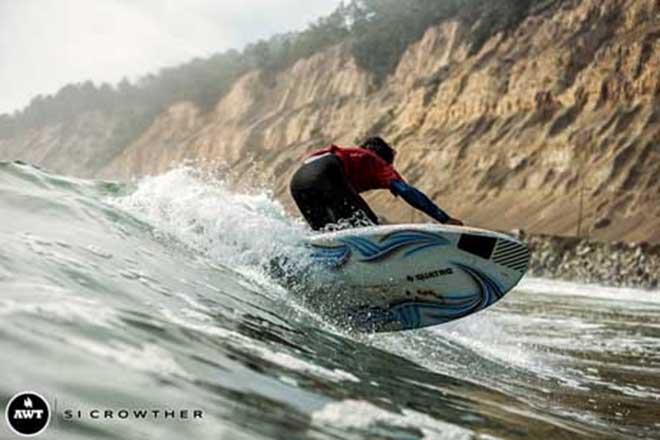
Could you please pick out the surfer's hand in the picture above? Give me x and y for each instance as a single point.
(454, 221)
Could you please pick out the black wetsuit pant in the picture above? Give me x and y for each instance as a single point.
(325, 196)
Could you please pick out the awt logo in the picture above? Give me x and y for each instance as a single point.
(27, 414)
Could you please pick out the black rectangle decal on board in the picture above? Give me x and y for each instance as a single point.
(477, 245)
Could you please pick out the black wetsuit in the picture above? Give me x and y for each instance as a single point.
(325, 196)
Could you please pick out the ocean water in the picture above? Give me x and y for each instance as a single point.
(154, 296)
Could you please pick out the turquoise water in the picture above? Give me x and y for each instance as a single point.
(152, 295)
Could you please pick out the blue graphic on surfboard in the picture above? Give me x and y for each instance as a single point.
(405, 277)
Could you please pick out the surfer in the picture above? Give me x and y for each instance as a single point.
(328, 184)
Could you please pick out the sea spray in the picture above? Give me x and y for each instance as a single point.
(235, 228)
(247, 230)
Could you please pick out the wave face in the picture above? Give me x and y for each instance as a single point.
(154, 295)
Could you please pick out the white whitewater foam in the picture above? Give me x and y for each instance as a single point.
(359, 414)
(570, 288)
(145, 357)
(237, 229)
(296, 364)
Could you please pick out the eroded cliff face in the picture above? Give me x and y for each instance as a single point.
(554, 122)
(81, 147)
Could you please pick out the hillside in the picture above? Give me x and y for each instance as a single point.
(551, 125)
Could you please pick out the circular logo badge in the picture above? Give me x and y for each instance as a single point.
(27, 414)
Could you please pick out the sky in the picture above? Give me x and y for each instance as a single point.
(45, 44)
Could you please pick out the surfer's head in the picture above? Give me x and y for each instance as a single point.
(380, 147)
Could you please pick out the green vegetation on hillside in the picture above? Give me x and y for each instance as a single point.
(378, 32)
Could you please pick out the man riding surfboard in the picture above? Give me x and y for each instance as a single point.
(327, 186)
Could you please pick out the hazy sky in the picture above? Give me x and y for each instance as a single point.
(45, 44)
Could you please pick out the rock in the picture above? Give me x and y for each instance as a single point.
(615, 264)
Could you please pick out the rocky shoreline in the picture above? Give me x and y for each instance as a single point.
(577, 259)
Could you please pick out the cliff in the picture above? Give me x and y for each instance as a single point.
(551, 127)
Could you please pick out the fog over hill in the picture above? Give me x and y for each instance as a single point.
(46, 44)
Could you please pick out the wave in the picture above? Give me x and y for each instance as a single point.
(157, 293)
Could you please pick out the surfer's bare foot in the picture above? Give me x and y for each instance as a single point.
(454, 221)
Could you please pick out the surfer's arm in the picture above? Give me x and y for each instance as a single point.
(419, 200)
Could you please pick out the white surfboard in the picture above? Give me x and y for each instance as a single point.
(412, 276)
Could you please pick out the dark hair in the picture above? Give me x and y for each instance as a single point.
(380, 147)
